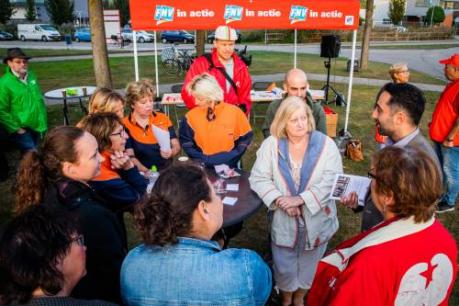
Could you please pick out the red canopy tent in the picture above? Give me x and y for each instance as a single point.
(247, 14)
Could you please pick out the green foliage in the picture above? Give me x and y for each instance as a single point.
(396, 11)
(123, 7)
(31, 15)
(438, 15)
(60, 11)
(6, 10)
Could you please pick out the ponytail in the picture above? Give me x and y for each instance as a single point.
(30, 182)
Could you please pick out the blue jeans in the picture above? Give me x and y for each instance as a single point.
(27, 141)
(449, 159)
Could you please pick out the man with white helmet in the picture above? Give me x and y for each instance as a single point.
(225, 65)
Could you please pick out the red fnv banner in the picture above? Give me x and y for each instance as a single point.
(244, 14)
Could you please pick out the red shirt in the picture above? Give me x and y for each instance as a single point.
(241, 78)
(416, 269)
(445, 114)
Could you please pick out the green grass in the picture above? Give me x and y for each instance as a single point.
(254, 234)
(59, 52)
(410, 47)
(52, 75)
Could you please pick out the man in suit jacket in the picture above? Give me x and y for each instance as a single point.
(397, 113)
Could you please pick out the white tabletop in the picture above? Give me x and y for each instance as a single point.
(79, 92)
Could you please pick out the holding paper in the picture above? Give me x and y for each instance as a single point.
(163, 138)
(344, 184)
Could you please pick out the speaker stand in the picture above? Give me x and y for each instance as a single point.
(327, 87)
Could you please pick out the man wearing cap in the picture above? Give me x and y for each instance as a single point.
(296, 84)
(229, 70)
(443, 128)
(22, 108)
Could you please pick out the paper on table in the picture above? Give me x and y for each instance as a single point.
(225, 171)
(163, 138)
(344, 184)
(232, 187)
(229, 201)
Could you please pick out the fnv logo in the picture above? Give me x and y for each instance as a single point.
(233, 13)
(164, 13)
(298, 13)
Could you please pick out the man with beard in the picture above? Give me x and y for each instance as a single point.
(397, 113)
(22, 108)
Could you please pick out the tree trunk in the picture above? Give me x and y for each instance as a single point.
(99, 44)
(366, 35)
(200, 42)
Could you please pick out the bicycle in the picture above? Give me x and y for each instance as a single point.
(176, 61)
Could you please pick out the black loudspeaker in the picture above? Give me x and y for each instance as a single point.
(330, 46)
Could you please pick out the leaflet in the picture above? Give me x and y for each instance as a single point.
(344, 184)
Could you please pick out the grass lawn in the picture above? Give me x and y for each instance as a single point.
(254, 234)
(407, 47)
(52, 75)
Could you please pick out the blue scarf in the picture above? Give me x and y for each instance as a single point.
(310, 159)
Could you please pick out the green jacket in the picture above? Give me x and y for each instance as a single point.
(317, 112)
(21, 105)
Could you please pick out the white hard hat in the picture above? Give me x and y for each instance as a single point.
(225, 33)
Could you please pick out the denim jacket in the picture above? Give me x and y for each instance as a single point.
(194, 272)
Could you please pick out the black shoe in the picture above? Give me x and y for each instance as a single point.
(443, 207)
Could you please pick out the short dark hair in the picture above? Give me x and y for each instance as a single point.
(412, 177)
(407, 97)
(31, 247)
(167, 213)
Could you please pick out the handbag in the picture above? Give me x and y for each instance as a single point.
(354, 149)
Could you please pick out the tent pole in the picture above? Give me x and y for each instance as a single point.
(136, 60)
(351, 75)
(295, 49)
(156, 66)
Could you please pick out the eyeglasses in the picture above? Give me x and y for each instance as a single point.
(371, 175)
(78, 239)
(20, 61)
(121, 133)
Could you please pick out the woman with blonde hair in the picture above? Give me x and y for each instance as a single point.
(106, 100)
(293, 175)
(399, 73)
(144, 124)
(214, 132)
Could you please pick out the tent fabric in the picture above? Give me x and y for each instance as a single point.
(245, 14)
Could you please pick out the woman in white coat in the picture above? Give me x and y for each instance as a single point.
(293, 175)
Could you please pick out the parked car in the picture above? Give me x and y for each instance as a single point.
(142, 36)
(177, 36)
(83, 34)
(5, 36)
(211, 37)
(42, 32)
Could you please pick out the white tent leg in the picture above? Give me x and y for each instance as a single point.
(156, 66)
(351, 75)
(295, 49)
(136, 60)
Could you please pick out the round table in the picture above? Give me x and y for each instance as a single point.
(248, 201)
(71, 93)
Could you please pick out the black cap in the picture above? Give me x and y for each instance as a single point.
(14, 53)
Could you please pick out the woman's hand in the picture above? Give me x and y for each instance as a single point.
(287, 202)
(166, 154)
(350, 201)
(120, 160)
(293, 212)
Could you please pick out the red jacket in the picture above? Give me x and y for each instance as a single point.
(241, 77)
(445, 114)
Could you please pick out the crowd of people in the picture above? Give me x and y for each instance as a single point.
(67, 242)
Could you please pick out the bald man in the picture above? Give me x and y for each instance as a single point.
(296, 84)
